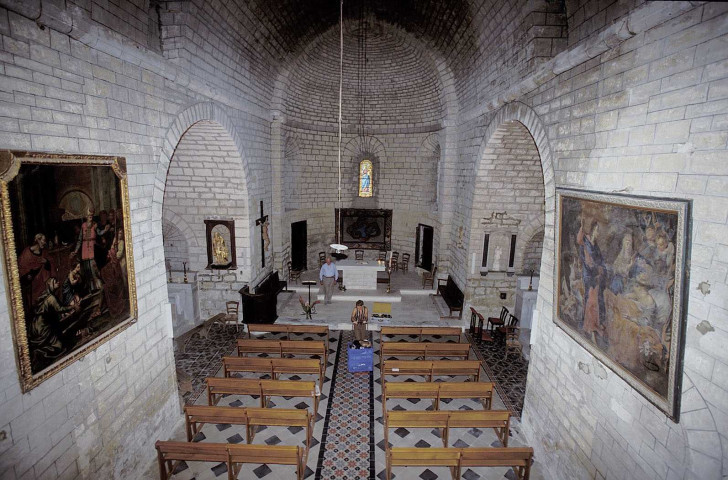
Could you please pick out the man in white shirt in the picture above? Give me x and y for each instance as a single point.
(328, 277)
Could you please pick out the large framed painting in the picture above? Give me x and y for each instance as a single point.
(364, 228)
(67, 248)
(220, 236)
(622, 272)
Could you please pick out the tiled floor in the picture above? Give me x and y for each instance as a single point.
(349, 434)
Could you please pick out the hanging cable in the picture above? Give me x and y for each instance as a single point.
(341, 90)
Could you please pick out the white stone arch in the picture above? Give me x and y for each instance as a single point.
(534, 226)
(354, 152)
(183, 229)
(183, 121)
(517, 111)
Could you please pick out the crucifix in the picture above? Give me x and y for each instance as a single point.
(260, 222)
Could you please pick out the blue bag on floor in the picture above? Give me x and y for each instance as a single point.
(359, 360)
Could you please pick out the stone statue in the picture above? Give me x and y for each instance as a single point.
(219, 249)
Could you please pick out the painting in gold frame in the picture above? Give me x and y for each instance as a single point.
(67, 247)
(622, 274)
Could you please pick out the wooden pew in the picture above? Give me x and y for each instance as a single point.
(431, 368)
(273, 366)
(483, 391)
(421, 331)
(169, 454)
(270, 417)
(518, 458)
(265, 454)
(284, 347)
(217, 387)
(438, 390)
(498, 420)
(289, 329)
(424, 457)
(198, 415)
(421, 349)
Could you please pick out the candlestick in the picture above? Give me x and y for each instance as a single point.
(530, 282)
(184, 270)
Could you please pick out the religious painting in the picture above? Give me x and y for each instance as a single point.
(69, 265)
(220, 244)
(622, 274)
(364, 228)
(365, 178)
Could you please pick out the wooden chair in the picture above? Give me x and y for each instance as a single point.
(512, 341)
(293, 274)
(428, 278)
(359, 254)
(382, 255)
(473, 321)
(494, 322)
(404, 264)
(322, 258)
(395, 261)
(231, 314)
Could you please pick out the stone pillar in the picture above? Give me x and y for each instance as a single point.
(277, 228)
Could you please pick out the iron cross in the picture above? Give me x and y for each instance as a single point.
(259, 223)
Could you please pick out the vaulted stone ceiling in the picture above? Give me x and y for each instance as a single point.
(293, 23)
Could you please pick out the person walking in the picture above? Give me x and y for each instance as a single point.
(328, 277)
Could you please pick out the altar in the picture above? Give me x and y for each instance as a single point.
(360, 274)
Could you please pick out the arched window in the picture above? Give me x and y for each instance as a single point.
(366, 184)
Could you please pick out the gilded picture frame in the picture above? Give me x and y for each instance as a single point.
(622, 273)
(68, 257)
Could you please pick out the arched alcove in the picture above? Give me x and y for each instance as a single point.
(206, 181)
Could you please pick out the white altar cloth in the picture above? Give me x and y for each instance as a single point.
(360, 275)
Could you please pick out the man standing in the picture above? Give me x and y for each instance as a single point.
(328, 277)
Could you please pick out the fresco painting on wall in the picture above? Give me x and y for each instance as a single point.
(68, 256)
(622, 275)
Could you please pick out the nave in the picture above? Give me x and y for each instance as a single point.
(348, 433)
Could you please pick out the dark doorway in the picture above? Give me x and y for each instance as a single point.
(423, 246)
(298, 245)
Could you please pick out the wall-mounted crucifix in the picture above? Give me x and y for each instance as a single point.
(261, 222)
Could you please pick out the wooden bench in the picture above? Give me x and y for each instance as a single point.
(169, 454)
(274, 367)
(196, 416)
(432, 368)
(518, 458)
(423, 349)
(498, 420)
(289, 329)
(218, 387)
(266, 454)
(284, 347)
(436, 391)
(451, 293)
(421, 331)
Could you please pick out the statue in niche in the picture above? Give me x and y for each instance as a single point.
(220, 250)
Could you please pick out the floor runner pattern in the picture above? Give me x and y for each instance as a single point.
(348, 440)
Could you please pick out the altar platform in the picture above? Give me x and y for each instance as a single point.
(411, 304)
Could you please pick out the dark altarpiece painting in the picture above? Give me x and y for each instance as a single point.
(364, 228)
(69, 265)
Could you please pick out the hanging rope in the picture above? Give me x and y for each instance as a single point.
(341, 90)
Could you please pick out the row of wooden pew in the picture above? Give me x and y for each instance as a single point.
(235, 455)
(455, 458)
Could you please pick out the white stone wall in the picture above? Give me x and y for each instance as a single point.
(645, 116)
(100, 92)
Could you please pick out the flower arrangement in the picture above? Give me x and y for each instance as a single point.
(308, 309)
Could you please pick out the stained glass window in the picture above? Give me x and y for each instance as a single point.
(365, 178)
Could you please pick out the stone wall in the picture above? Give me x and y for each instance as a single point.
(97, 91)
(644, 115)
